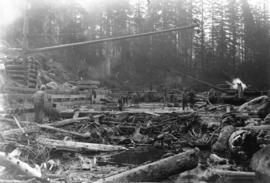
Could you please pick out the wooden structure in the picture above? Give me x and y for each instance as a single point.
(23, 70)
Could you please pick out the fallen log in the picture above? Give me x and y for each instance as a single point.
(211, 173)
(13, 163)
(157, 170)
(233, 173)
(63, 131)
(68, 114)
(78, 146)
(260, 164)
(66, 121)
(256, 128)
(17, 181)
(15, 133)
(253, 104)
(221, 144)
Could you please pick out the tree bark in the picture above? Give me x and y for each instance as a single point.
(221, 144)
(66, 122)
(63, 131)
(78, 146)
(14, 163)
(157, 170)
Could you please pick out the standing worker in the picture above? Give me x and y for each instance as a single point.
(240, 90)
(120, 104)
(184, 99)
(191, 98)
(40, 103)
(165, 96)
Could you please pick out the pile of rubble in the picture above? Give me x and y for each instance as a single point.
(216, 140)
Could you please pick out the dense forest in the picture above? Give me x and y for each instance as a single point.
(231, 40)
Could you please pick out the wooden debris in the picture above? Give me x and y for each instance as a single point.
(17, 181)
(63, 131)
(260, 164)
(243, 143)
(253, 104)
(67, 121)
(76, 114)
(157, 170)
(15, 133)
(221, 144)
(256, 128)
(14, 163)
(78, 146)
(19, 125)
(227, 173)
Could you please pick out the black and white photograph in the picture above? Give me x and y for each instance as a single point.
(118, 91)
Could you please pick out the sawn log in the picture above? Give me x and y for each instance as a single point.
(66, 121)
(78, 146)
(15, 164)
(157, 170)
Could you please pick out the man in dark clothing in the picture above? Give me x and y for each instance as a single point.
(40, 103)
(184, 99)
(212, 96)
(120, 104)
(191, 98)
(240, 90)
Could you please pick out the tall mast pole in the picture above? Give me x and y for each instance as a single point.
(25, 43)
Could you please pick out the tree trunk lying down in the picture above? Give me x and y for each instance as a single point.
(260, 164)
(17, 133)
(157, 170)
(221, 145)
(63, 131)
(16, 164)
(66, 121)
(256, 128)
(229, 173)
(77, 146)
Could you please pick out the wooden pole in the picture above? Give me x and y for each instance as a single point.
(107, 39)
(25, 27)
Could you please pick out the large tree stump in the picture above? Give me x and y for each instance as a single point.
(157, 170)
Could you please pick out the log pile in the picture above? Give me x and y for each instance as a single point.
(63, 150)
(98, 134)
(23, 70)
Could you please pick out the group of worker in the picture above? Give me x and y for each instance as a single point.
(40, 99)
(188, 99)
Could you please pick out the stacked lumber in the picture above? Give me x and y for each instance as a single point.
(23, 70)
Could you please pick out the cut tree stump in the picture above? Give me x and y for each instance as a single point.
(157, 170)
(78, 146)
